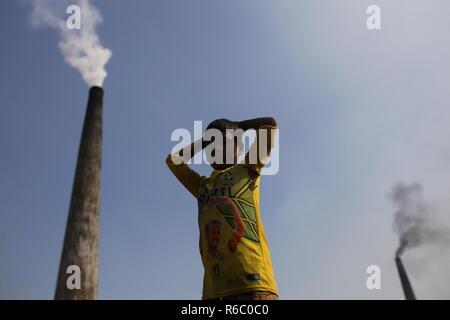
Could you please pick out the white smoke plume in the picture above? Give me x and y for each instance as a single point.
(81, 48)
(415, 221)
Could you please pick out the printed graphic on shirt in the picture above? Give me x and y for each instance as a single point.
(241, 195)
(213, 232)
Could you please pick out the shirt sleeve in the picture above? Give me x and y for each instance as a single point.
(189, 178)
(265, 138)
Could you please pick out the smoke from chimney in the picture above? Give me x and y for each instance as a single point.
(414, 220)
(81, 48)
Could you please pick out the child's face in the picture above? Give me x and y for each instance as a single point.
(228, 139)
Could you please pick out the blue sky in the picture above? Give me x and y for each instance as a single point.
(358, 110)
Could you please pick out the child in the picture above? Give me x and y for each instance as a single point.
(233, 244)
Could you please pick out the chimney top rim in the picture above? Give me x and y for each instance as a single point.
(96, 89)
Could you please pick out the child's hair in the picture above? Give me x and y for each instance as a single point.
(222, 125)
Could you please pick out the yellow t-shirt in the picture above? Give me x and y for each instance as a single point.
(231, 269)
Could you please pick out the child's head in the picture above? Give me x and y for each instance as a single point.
(229, 136)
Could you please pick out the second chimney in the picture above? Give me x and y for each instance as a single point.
(406, 285)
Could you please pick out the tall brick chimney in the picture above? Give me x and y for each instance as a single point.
(82, 231)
